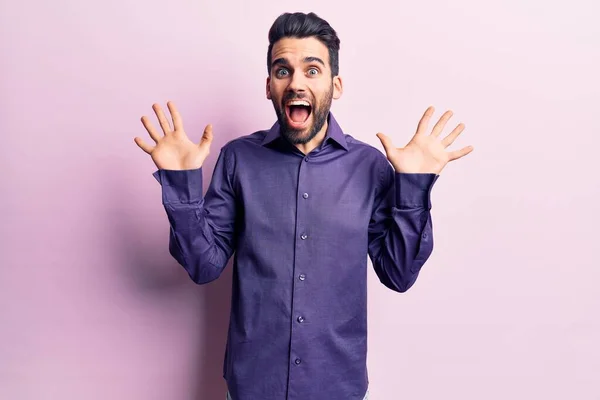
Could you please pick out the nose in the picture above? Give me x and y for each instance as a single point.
(297, 82)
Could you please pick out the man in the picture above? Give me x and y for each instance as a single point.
(301, 205)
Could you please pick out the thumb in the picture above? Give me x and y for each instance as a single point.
(386, 142)
(207, 136)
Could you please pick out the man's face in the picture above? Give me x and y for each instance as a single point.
(301, 87)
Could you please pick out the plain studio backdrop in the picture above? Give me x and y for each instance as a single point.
(93, 307)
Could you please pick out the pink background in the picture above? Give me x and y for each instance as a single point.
(93, 307)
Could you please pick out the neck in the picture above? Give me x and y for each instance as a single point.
(315, 142)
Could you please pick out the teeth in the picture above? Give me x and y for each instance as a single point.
(298, 103)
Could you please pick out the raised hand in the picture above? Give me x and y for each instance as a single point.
(425, 153)
(174, 150)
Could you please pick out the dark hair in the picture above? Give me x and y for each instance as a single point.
(301, 25)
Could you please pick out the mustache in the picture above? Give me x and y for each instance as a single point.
(294, 96)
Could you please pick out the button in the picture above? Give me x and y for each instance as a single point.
(305, 195)
(298, 361)
(301, 319)
(425, 236)
(304, 236)
(302, 277)
(306, 158)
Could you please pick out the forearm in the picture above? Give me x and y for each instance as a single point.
(199, 247)
(401, 241)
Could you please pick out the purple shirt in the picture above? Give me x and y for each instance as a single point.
(301, 228)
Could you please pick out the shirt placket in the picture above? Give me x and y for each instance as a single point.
(300, 313)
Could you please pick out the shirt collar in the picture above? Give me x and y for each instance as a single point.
(334, 132)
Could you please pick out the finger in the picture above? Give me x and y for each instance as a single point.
(177, 121)
(455, 155)
(151, 131)
(207, 136)
(146, 147)
(386, 142)
(162, 119)
(448, 140)
(439, 126)
(422, 126)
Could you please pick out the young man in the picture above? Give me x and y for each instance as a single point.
(301, 205)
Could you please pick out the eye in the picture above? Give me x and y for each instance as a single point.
(281, 72)
(313, 71)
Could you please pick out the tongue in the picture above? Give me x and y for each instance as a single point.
(299, 114)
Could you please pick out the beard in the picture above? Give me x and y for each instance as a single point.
(319, 112)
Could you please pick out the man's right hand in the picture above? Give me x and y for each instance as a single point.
(174, 150)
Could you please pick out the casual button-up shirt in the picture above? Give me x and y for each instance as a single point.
(301, 228)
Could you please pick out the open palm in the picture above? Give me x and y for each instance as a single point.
(174, 150)
(425, 153)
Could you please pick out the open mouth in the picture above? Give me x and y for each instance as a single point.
(298, 112)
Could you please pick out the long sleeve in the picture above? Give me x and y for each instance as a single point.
(202, 229)
(400, 230)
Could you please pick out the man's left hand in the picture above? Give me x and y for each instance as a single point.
(425, 153)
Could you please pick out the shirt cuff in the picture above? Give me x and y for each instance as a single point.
(414, 190)
(180, 186)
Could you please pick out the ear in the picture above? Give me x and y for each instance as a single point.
(268, 88)
(338, 88)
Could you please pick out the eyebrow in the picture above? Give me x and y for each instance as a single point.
(283, 61)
